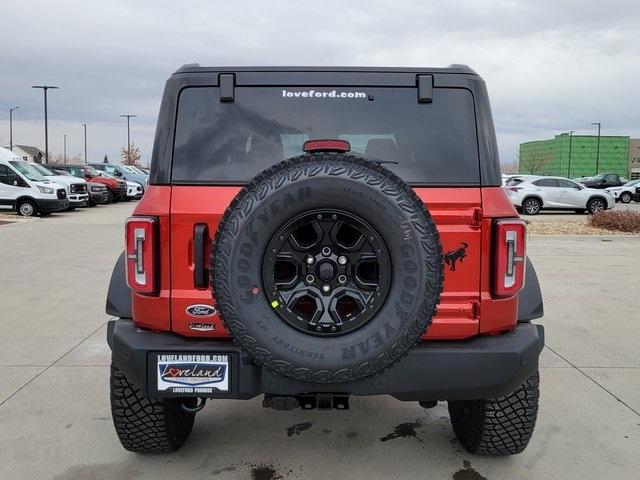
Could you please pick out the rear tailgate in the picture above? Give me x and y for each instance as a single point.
(455, 211)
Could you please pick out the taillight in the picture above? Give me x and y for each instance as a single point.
(509, 256)
(141, 251)
(515, 189)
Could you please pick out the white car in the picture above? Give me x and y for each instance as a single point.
(77, 191)
(624, 193)
(530, 195)
(25, 190)
(134, 190)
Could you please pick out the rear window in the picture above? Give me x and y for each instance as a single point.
(513, 181)
(219, 142)
(545, 182)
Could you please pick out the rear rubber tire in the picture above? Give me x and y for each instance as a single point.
(147, 425)
(499, 426)
(531, 206)
(327, 182)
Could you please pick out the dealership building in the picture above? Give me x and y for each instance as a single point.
(580, 156)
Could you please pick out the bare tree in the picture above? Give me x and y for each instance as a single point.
(509, 168)
(131, 157)
(533, 162)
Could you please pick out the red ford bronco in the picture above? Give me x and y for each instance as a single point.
(309, 234)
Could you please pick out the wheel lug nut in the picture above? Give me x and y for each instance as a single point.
(342, 260)
(326, 288)
(310, 260)
(342, 279)
(310, 278)
(326, 251)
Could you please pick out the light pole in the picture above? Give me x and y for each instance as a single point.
(85, 142)
(11, 127)
(570, 140)
(46, 127)
(128, 116)
(65, 149)
(598, 147)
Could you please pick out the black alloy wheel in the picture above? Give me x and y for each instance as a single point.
(326, 272)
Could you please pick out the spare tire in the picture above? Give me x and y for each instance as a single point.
(326, 268)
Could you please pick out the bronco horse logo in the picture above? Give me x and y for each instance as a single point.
(452, 257)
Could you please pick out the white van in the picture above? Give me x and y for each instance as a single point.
(25, 190)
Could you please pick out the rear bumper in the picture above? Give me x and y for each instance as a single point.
(482, 367)
(52, 205)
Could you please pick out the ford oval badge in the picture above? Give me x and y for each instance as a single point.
(201, 310)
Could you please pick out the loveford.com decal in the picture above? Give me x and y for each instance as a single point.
(193, 373)
(323, 94)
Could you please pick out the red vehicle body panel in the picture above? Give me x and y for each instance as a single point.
(463, 217)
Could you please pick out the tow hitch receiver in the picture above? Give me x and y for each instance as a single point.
(321, 401)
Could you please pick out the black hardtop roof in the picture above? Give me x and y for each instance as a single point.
(451, 69)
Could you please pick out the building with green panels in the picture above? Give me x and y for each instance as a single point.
(575, 156)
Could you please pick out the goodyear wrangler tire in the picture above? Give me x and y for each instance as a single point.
(327, 268)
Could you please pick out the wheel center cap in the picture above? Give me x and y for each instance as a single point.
(326, 271)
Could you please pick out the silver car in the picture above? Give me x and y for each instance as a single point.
(532, 194)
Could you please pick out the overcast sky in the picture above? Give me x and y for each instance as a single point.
(550, 66)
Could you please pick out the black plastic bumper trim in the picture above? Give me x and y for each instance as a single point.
(481, 367)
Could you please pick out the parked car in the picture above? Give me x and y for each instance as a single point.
(604, 180)
(117, 189)
(321, 275)
(580, 179)
(122, 172)
(625, 192)
(130, 186)
(77, 191)
(134, 190)
(27, 191)
(98, 194)
(532, 195)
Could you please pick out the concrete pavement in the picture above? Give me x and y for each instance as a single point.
(54, 408)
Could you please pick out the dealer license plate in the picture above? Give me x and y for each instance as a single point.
(193, 373)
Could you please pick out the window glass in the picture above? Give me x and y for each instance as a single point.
(41, 169)
(27, 170)
(566, 183)
(8, 176)
(429, 143)
(545, 182)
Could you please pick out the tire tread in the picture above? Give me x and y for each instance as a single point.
(310, 165)
(144, 424)
(499, 426)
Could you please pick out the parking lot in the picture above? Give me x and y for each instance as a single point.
(54, 406)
